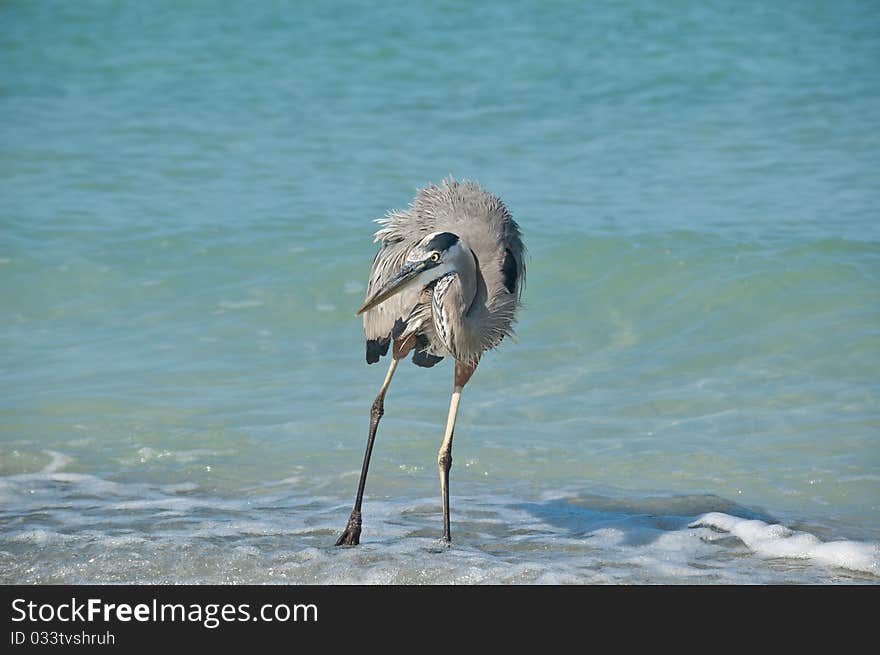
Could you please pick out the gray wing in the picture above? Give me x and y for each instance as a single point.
(398, 234)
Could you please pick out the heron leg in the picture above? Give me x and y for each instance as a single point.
(463, 373)
(352, 534)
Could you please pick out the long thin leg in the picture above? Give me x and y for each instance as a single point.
(352, 534)
(463, 373)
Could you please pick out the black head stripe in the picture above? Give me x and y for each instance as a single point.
(442, 241)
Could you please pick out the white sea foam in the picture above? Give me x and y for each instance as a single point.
(239, 304)
(71, 527)
(180, 487)
(146, 454)
(774, 540)
(57, 462)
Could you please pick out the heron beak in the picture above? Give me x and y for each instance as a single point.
(404, 276)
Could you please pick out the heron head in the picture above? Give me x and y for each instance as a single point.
(431, 258)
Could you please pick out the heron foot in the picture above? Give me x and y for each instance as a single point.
(352, 534)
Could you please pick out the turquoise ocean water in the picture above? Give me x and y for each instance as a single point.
(186, 196)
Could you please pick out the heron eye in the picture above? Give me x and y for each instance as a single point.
(435, 257)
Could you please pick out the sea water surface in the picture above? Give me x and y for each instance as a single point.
(186, 196)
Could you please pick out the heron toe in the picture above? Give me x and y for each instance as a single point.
(352, 534)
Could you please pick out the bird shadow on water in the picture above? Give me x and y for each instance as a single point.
(638, 520)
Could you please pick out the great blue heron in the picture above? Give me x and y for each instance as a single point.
(446, 281)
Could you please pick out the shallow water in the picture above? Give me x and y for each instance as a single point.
(123, 533)
(185, 206)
